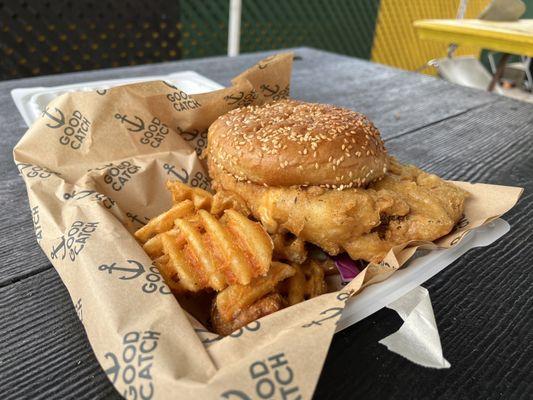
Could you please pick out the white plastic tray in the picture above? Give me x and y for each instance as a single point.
(32, 101)
(419, 270)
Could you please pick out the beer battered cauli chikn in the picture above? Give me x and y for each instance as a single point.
(295, 183)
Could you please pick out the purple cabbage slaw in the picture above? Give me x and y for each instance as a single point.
(347, 267)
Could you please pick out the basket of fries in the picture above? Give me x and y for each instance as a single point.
(217, 260)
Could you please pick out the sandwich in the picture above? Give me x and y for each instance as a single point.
(299, 187)
(322, 175)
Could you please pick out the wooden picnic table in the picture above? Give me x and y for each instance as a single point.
(514, 37)
(483, 303)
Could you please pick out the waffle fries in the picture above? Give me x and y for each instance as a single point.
(283, 286)
(262, 307)
(307, 282)
(238, 305)
(288, 247)
(201, 199)
(215, 204)
(195, 250)
(223, 200)
(206, 242)
(165, 221)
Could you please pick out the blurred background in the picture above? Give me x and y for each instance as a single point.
(47, 37)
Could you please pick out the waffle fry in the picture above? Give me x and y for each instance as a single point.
(207, 242)
(154, 246)
(307, 282)
(223, 200)
(288, 247)
(201, 199)
(187, 200)
(234, 299)
(262, 307)
(195, 250)
(328, 266)
(168, 274)
(165, 221)
(214, 253)
(323, 260)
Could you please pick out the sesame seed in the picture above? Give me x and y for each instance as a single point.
(270, 128)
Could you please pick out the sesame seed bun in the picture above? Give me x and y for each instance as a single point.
(292, 143)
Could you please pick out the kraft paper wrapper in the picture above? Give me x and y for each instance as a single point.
(95, 165)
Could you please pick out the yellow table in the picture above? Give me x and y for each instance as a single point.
(506, 37)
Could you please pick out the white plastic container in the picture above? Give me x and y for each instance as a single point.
(417, 271)
(32, 101)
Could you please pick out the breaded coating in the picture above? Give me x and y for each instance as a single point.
(407, 204)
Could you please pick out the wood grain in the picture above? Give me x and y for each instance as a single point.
(483, 303)
(45, 353)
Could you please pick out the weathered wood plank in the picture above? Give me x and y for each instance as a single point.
(45, 353)
(492, 144)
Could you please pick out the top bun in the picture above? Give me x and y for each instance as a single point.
(292, 143)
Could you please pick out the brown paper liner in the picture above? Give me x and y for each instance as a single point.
(95, 165)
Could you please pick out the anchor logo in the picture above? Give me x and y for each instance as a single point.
(188, 135)
(172, 170)
(235, 394)
(213, 337)
(265, 62)
(61, 247)
(268, 91)
(335, 312)
(135, 218)
(234, 98)
(170, 85)
(136, 271)
(60, 121)
(137, 126)
(112, 371)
